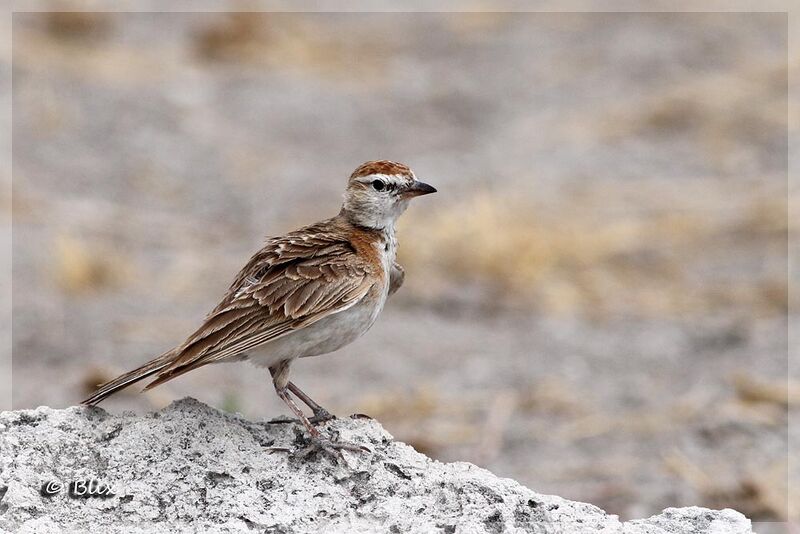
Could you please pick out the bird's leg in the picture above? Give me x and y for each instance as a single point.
(283, 393)
(280, 379)
(320, 414)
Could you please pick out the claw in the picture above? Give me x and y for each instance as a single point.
(271, 450)
(282, 420)
(319, 444)
(320, 416)
(327, 445)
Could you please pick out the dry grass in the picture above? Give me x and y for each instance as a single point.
(761, 495)
(233, 36)
(290, 40)
(584, 257)
(723, 113)
(40, 50)
(81, 268)
(785, 393)
(474, 25)
(646, 248)
(551, 395)
(427, 420)
(294, 42)
(83, 25)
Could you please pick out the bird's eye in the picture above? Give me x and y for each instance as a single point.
(378, 185)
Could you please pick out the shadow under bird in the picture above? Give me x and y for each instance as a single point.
(307, 293)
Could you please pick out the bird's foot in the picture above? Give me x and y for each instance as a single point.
(320, 416)
(278, 449)
(282, 420)
(328, 446)
(321, 445)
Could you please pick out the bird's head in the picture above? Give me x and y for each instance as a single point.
(378, 192)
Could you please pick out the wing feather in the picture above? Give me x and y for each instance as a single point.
(291, 283)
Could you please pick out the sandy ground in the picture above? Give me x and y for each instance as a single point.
(595, 301)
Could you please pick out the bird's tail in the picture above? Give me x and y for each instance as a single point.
(112, 386)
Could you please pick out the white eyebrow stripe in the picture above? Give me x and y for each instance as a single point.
(397, 179)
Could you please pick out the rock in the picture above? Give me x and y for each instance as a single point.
(191, 467)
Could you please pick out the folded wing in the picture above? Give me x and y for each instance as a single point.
(294, 281)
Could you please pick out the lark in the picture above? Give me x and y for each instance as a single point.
(307, 293)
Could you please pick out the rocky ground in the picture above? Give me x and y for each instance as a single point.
(190, 467)
(595, 302)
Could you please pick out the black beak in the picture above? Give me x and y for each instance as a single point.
(418, 188)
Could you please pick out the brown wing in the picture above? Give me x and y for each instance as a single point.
(292, 282)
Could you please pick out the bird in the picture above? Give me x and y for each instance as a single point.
(306, 293)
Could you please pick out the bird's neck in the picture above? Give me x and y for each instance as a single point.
(384, 238)
(370, 221)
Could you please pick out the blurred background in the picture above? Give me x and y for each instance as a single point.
(595, 301)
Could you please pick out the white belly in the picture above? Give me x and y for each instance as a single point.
(326, 335)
